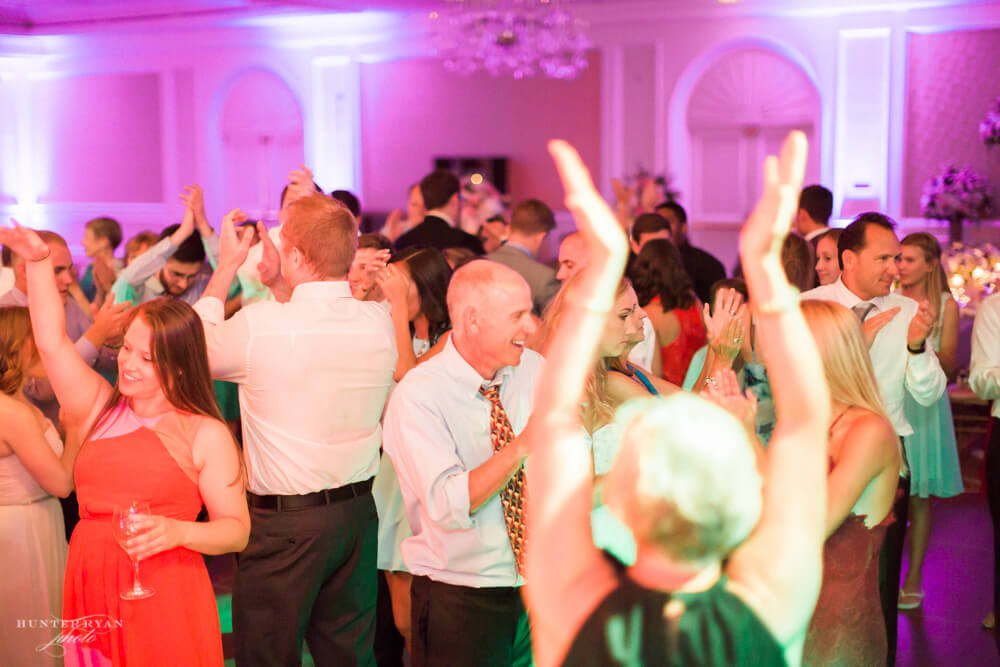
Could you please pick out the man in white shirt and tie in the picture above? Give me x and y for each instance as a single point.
(313, 376)
(984, 380)
(451, 430)
(896, 328)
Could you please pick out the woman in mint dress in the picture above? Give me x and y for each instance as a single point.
(931, 451)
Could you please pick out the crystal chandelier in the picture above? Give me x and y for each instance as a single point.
(516, 37)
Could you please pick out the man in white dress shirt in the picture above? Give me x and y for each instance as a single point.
(313, 376)
(466, 603)
(896, 328)
(984, 380)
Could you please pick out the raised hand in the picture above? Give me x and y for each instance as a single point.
(597, 224)
(24, 242)
(194, 199)
(269, 266)
(920, 325)
(723, 389)
(112, 319)
(394, 225)
(766, 228)
(233, 247)
(395, 286)
(300, 184)
(185, 229)
(724, 327)
(872, 325)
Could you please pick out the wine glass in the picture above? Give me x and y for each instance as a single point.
(125, 525)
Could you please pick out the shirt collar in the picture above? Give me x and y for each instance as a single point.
(438, 213)
(466, 375)
(816, 232)
(321, 290)
(850, 299)
(511, 244)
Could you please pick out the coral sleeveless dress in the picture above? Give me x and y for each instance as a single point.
(127, 459)
(677, 354)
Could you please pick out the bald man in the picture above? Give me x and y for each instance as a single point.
(466, 603)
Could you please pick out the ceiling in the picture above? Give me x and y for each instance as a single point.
(55, 16)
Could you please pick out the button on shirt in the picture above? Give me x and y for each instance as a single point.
(313, 376)
(984, 370)
(896, 370)
(437, 429)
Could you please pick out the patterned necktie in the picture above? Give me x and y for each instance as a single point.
(513, 492)
(863, 309)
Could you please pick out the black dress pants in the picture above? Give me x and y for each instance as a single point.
(310, 575)
(469, 627)
(993, 497)
(890, 564)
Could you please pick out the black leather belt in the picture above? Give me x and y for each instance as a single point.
(324, 497)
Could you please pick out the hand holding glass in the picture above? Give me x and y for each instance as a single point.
(126, 525)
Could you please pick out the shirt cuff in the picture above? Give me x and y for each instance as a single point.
(210, 309)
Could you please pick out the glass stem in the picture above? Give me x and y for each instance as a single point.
(136, 584)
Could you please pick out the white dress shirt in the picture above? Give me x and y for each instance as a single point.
(984, 370)
(896, 370)
(437, 429)
(314, 374)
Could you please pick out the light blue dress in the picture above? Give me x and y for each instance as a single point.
(932, 451)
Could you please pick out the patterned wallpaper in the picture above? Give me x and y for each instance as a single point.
(952, 78)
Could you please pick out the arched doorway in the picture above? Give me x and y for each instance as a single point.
(739, 110)
(261, 129)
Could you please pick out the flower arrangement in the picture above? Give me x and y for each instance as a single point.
(989, 127)
(973, 274)
(641, 191)
(481, 200)
(956, 195)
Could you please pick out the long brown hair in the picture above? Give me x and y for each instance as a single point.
(658, 271)
(15, 334)
(935, 282)
(180, 357)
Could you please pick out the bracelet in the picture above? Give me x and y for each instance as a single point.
(785, 298)
(917, 350)
(42, 259)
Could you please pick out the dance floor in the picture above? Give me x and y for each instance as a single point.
(958, 579)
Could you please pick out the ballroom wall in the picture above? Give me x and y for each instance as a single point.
(116, 122)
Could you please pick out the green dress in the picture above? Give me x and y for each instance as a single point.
(628, 628)
(932, 451)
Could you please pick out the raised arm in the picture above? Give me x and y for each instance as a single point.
(148, 263)
(80, 390)
(395, 286)
(778, 568)
(566, 572)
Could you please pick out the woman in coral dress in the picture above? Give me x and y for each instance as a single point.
(666, 293)
(156, 438)
(847, 627)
